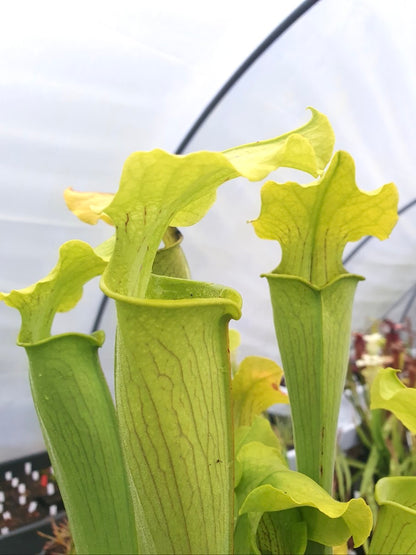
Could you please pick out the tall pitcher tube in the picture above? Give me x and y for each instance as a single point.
(173, 404)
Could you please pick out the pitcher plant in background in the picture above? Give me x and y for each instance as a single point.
(198, 469)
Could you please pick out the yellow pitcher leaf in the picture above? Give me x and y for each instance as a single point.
(255, 388)
(307, 148)
(158, 189)
(88, 207)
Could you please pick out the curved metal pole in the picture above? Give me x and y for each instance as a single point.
(268, 41)
(411, 290)
(367, 239)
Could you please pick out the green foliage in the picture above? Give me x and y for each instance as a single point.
(389, 393)
(267, 485)
(255, 388)
(386, 448)
(170, 441)
(79, 425)
(312, 295)
(74, 406)
(307, 148)
(271, 500)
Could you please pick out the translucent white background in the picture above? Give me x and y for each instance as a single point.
(84, 84)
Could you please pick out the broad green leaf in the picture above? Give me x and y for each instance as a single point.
(78, 422)
(267, 485)
(59, 291)
(158, 189)
(154, 187)
(174, 410)
(255, 388)
(395, 530)
(389, 393)
(313, 223)
(308, 148)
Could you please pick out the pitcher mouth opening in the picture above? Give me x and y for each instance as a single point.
(274, 276)
(170, 292)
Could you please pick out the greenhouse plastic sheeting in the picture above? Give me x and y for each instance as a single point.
(83, 86)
